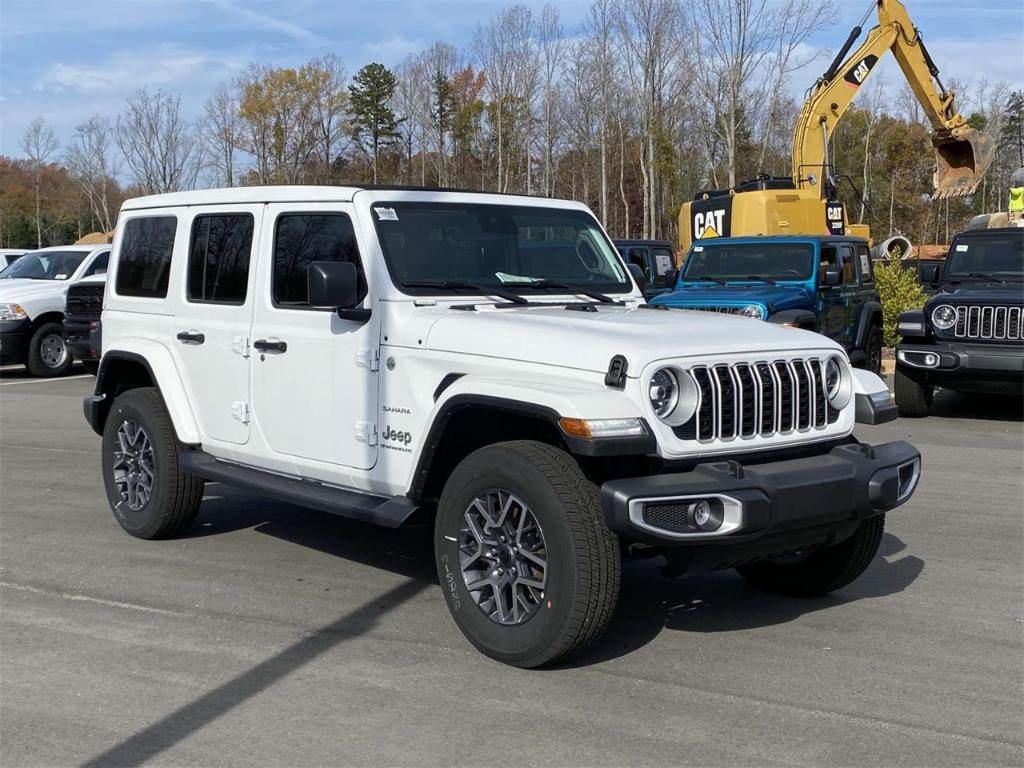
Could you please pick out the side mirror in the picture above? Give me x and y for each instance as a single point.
(833, 276)
(638, 276)
(671, 278)
(930, 274)
(335, 285)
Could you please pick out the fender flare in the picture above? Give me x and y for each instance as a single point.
(157, 361)
(865, 319)
(547, 402)
(800, 318)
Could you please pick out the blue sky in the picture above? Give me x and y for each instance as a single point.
(66, 60)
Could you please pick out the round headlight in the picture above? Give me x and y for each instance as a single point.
(664, 392)
(837, 382)
(752, 310)
(944, 316)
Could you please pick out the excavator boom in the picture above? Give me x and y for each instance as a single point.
(962, 154)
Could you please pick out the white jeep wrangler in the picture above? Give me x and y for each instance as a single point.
(487, 360)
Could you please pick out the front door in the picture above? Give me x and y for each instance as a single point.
(314, 374)
(213, 316)
(830, 307)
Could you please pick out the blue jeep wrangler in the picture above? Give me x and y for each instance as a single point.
(819, 283)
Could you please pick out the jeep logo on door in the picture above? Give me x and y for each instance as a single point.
(835, 219)
(859, 73)
(710, 217)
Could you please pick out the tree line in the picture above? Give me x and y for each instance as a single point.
(643, 106)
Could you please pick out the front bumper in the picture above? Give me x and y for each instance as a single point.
(14, 338)
(964, 366)
(82, 338)
(782, 504)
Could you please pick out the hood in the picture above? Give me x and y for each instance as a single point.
(553, 335)
(979, 293)
(774, 297)
(21, 289)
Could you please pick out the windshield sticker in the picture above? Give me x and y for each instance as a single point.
(961, 247)
(386, 214)
(507, 278)
(664, 262)
(61, 276)
(865, 264)
(698, 248)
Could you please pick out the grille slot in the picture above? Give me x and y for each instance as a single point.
(764, 398)
(987, 323)
(85, 302)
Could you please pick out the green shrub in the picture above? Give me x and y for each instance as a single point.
(899, 291)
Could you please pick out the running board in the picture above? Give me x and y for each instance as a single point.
(389, 512)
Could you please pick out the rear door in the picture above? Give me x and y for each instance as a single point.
(314, 374)
(211, 326)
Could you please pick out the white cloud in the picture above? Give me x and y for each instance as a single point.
(265, 21)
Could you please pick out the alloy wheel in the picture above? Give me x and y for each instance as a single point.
(133, 465)
(503, 557)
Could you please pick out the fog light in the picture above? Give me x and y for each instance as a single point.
(706, 515)
(931, 360)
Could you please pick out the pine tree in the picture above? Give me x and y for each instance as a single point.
(373, 88)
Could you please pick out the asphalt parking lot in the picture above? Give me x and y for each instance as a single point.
(272, 635)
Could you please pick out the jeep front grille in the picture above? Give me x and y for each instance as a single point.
(989, 323)
(85, 302)
(722, 309)
(759, 399)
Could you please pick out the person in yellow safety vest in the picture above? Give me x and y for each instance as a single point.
(1016, 208)
(1016, 203)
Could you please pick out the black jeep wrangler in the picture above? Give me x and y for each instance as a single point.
(970, 335)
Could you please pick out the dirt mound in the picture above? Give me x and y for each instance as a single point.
(96, 238)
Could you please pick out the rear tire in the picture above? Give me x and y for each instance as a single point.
(913, 399)
(151, 498)
(48, 355)
(824, 570)
(571, 596)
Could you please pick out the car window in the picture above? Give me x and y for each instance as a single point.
(46, 265)
(99, 265)
(638, 256)
(866, 268)
(848, 266)
(302, 238)
(144, 261)
(218, 258)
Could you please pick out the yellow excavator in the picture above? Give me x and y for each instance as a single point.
(807, 202)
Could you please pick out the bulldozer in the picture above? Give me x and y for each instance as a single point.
(807, 202)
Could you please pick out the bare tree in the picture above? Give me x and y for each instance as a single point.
(549, 44)
(328, 103)
(93, 165)
(599, 44)
(222, 131)
(745, 51)
(159, 145)
(651, 32)
(39, 144)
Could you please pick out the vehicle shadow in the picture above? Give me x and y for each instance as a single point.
(20, 373)
(954, 405)
(723, 601)
(720, 601)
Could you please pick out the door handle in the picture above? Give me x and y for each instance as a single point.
(266, 345)
(191, 337)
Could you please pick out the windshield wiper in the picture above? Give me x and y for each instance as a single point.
(706, 278)
(985, 276)
(490, 290)
(574, 288)
(761, 279)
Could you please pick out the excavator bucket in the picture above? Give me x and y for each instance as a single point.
(961, 161)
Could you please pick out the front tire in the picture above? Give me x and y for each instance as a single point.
(873, 351)
(824, 570)
(151, 498)
(529, 569)
(913, 399)
(48, 355)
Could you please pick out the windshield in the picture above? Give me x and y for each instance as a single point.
(46, 265)
(744, 261)
(1001, 256)
(518, 248)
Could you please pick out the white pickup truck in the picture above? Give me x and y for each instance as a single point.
(32, 296)
(486, 361)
